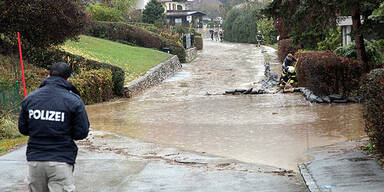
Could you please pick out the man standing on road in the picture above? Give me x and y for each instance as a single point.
(259, 38)
(53, 117)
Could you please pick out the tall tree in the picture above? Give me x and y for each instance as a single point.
(153, 12)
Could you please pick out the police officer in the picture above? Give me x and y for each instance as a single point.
(53, 116)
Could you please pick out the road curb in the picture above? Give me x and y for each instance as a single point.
(307, 177)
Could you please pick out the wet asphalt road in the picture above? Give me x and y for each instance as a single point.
(274, 130)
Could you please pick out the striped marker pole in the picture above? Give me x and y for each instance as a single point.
(22, 66)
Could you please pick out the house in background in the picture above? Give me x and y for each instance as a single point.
(345, 22)
(346, 28)
(179, 12)
(176, 5)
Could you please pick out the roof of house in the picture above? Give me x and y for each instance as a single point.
(183, 13)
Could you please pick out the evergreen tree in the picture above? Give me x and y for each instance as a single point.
(153, 12)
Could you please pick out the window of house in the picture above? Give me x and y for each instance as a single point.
(179, 7)
(174, 6)
(169, 7)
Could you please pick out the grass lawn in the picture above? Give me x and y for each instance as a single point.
(136, 61)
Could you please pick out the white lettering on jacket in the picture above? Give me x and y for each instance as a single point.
(46, 115)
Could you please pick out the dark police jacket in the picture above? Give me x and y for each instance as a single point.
(53, 116)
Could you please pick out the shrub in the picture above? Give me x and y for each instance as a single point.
(130, 34)
(372, 49)
(95, 86)
(175, 48)
(286, 46)
(133, 16)
(8, 127)
(331, 41)
(374, 115)
(181, 30)
(325, 73)
(104, 13)
(170, 34)
(146, 26)
(45, 57)
(41, 23)
(124, 32)
(198, 42)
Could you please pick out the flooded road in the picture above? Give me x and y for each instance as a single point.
(269, 129)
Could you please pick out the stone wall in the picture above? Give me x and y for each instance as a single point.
(153, 77)
(191, 54)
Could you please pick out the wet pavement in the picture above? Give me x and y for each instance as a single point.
(274, 129)
(342, 167)
(114, 163)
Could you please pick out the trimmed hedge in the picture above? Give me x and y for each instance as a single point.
(124, 33)
(130, 34)
(325, 73)
(286, 46)
(95, 86)
(374, 115)
(44, 58)
(199, 42)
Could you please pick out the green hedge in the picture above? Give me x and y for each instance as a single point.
(325, 73)
(134, 35)
(374, 116)
(103, 13)
(95, 86)
(44, 58)
(199, 42)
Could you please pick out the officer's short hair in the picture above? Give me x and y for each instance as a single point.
(60, 69)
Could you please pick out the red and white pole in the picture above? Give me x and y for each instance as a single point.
(22, 66)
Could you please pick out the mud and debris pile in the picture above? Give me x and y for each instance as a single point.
(272, 79)
(246, 91)
(334, 98)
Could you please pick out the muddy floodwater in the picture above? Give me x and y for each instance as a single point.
(269, 129)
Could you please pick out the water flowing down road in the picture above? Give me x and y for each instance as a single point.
(269, 129)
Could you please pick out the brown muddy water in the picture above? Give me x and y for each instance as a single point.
(269, 129)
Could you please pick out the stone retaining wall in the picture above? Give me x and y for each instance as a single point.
(153, 77)
(191, 54)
